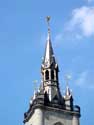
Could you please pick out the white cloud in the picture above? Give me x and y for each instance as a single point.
(85, 80)
(82, 21)
(89, 1)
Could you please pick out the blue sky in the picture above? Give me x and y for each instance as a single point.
(23, 34)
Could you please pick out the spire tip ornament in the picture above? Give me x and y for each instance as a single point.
(67, 78)
(48, 20)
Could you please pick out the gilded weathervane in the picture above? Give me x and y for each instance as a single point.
(48, 20)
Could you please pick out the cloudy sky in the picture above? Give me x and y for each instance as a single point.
(23, 32)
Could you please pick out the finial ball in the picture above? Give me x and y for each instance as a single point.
(48, 18)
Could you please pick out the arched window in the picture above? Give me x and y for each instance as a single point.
(57, 74)
(52, 74)
(47, 75)
(58, 123)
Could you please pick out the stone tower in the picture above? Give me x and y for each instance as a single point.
(48, 106)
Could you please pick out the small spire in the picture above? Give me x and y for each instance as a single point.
(34, 95)
(67, 93)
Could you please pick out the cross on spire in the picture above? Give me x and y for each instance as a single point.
(67, 78)
(48, 20)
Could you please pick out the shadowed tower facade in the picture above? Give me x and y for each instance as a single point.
(48, 106)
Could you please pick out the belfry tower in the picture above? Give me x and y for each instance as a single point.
(48, 106)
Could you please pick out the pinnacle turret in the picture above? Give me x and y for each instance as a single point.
(67, 93)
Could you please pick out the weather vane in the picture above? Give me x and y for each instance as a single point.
(35, 84)
(67, 78)
(48, 20)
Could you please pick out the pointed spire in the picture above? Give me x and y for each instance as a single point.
(67, 92)
(49, 55)
(49, 69)
(68, 95)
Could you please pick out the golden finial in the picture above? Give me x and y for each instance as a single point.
(48, 20)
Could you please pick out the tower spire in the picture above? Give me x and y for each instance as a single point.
(49, 69)
(49, 54)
